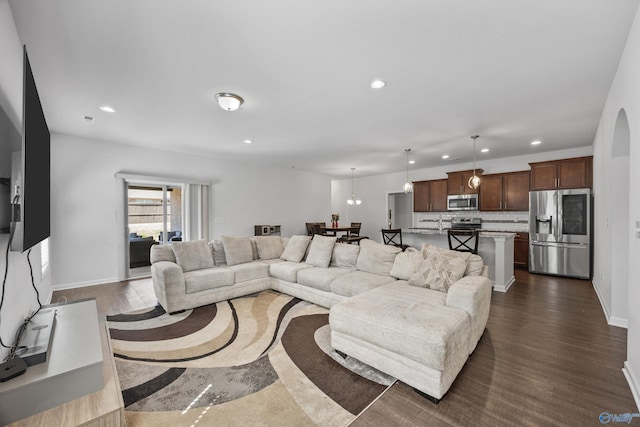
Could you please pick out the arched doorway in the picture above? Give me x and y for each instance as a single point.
(619, 214)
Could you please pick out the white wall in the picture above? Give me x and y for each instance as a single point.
(624, 94)
(373, 190)
(20, 298)
(84, 232)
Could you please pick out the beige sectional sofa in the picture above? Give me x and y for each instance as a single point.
(416, 315)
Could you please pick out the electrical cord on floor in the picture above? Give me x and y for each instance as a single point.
(4, 283)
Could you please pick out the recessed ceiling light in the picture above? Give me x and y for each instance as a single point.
(445, 156)
(107, 109)
(411, 162)
(484, 150)
(248, 141)
(378, 84)
(536, 142)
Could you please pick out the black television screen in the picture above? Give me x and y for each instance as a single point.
(35, 198)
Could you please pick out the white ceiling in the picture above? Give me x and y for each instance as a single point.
(511, 71)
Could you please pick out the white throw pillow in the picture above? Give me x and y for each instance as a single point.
(439, 271)
(237, 250)
(473, 262)
(296, 248)
(194, 255)
(269, 247)
(162, 253)
(320, 250)
(406, 264)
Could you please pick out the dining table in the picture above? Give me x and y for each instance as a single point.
(333, 231)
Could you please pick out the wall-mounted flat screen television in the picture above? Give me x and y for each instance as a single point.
(30, 171)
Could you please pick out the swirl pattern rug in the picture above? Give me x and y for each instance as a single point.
(264, 359)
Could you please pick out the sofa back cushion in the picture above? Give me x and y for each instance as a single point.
(237, 250)
(320, 250)
(375, 257)
(345, 255)
(162, 253)
(296, 248)
(194, 255)
(406, 264)
(269, 247)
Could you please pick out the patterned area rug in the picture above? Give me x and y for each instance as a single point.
(264, 359)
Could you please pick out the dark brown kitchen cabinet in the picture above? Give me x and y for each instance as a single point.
(457, 182)
(505, 192)
(559, 174)
(430, 196)
(521, 250)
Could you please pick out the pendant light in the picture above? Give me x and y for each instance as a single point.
(353, 201)
(408, 186)
(474, 181)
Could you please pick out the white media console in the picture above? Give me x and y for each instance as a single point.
(74, 365)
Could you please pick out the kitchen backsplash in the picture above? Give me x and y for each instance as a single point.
(491, 221)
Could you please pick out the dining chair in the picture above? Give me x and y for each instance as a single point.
(355, 228)
(309, 227)
(318, 228)
(393, 237)
(463, 240)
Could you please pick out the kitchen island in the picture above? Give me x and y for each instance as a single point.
(495, 248)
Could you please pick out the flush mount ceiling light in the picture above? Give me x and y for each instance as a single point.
(353, 201)
(229, 101)
(107, 109)
(474, 181)
(445, 156)
(378, 84)
(248, 141)
(536, 142)
(408, 186)
(484, 150)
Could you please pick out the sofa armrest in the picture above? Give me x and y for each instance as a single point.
(169, 286)
(473, 295)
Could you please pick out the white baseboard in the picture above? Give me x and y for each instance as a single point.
(634, 383)
(506, 287)
(83, 284)
(612, 321)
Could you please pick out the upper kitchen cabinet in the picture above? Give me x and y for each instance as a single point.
(430, 196)
(559, 174)
(457, 182)
(505, 192)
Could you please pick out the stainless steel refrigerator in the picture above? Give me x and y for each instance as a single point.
(560, 232)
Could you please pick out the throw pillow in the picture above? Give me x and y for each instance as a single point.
(296, 248)
(194, 255)
(218, 252)
(237, 250)
(376, 258)
(406, 264)
(320, 250)
(439, 271)
(269, 247)
(474, 262)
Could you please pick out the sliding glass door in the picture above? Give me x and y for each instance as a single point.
(157, 211)
(154, 216)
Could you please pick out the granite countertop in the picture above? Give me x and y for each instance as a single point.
(483, 233)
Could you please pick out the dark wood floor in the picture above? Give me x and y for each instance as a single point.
(547, 357)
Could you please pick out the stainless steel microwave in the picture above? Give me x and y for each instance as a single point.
(462, 202)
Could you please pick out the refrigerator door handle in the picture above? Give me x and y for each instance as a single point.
(560, 245)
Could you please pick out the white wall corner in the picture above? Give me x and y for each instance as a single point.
(604, 306)
(634, 383)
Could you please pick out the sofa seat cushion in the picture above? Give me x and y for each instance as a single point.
(405, 320)
(432, 294)
(320, 278)
(355, 282)
(287, 270)
(250, 271)
(207, 278)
